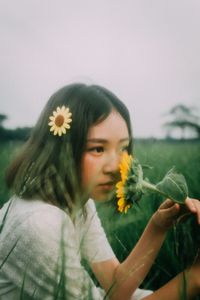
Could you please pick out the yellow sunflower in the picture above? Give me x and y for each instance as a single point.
(121, 203)
(124, 167)
(60, 120)
(123, 206)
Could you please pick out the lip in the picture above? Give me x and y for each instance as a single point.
(107, 185)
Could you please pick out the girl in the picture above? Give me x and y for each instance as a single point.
(50, 224)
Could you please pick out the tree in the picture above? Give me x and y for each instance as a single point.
(184, 117)
(2, 119)
(13, 134)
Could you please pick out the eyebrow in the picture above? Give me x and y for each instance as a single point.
(104, 141)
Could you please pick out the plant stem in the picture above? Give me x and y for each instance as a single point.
(149, 186)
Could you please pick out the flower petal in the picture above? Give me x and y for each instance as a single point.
(60, 127)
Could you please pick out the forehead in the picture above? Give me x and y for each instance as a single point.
(113, 127)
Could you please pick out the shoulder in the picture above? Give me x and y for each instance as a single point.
(92, 219)
(90, 207)
(49, 221)
(35, 218)
(95, 246)
(39, 235)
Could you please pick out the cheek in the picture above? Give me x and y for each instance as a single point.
(89, 169)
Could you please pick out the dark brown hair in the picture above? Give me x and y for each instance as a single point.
(48, 166)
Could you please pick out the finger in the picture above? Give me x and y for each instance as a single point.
(167, 203)
(172, 211)
(194, 206)
(190, 205)
(196, 203)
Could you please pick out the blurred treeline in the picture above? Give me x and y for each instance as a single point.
(182, 122)
(12, 134)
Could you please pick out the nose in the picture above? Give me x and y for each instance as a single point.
(111, 164)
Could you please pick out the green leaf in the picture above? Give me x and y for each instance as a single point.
(173, 186)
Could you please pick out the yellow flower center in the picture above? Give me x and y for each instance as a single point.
(59, 121)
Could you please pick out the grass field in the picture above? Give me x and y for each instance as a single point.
(123, 231)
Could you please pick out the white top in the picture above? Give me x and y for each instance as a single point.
(41, 250)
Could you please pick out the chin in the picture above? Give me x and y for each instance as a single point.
(103, 197)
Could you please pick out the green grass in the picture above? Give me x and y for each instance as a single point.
(123, 231)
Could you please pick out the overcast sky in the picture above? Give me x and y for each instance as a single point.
(146, 51)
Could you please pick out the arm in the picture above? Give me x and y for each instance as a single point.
(127, 276)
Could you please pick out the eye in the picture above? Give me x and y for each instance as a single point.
(124, 148)
(97, 149)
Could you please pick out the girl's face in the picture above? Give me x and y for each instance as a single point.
(106, 142)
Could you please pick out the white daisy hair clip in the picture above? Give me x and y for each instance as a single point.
(60, 120)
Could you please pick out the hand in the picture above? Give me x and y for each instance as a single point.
(191, 206)
(170, 212)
